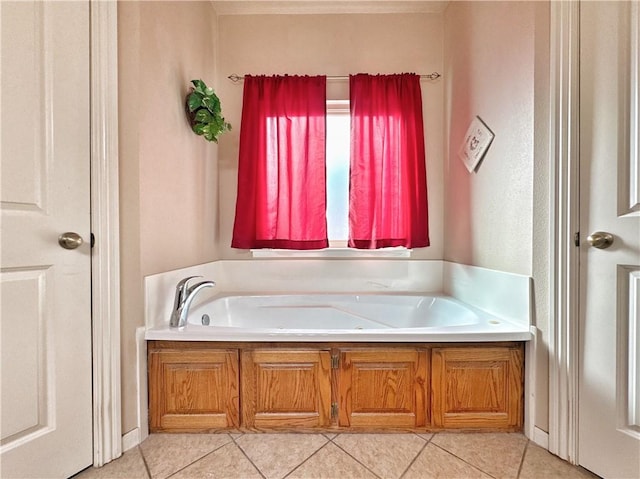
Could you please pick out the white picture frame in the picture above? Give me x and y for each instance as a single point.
(476, 143)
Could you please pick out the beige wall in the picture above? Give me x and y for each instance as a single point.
(497, 67)
(489, 72)
(168, 175)
(331, 45)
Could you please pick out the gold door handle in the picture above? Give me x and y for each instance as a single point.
(600, 239)
(69, 240)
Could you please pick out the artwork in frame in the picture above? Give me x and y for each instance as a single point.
(475, 144)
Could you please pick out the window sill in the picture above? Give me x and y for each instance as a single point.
(350, 253)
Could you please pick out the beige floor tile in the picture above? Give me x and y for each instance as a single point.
(168, 453)
(129, 466)
(541, 464)
(330, 435)
(388, 455)
(276, 455)
(228, 462)
(331, 462)
(434, 462)
(425, 435)
(497, 454)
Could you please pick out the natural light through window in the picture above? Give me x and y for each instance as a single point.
(338, 131)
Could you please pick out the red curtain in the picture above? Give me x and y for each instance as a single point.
(281, 199)
(388, 186)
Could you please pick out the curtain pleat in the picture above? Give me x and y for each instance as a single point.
(281, 200)
(387, 186)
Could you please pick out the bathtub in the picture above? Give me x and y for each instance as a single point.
(341, 317)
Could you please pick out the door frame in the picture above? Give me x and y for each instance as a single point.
(564, 269)
(564, 224)
(105, 257)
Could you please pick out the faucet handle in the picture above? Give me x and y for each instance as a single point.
(181, 289)
(182, 284)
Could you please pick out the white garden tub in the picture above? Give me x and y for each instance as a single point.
(341, 317)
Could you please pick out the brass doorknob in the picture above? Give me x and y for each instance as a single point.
(600, 239)
(69, 240)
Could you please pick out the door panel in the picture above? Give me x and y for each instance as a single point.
(478, 387)
(286, 388)
(193, 390)
(383, 388)
(609, 436)
(45, 326)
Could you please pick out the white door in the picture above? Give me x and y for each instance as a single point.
(46, 408)
(609, 380)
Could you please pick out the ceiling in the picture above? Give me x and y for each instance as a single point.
(251, 7)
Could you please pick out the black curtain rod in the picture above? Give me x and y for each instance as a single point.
(431, 76)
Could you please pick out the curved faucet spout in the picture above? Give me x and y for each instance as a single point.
(181, 308)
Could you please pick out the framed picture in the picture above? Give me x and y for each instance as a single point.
(475, 144)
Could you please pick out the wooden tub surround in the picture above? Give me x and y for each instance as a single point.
(208, 386)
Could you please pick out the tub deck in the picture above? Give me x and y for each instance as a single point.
(342, 317)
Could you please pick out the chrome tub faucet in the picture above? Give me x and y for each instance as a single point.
(184, 298)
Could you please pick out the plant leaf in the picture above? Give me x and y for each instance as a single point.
(194, 101)
(201, 86)
(201, 128)
(203, 116)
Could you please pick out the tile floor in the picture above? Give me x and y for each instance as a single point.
(339, 456)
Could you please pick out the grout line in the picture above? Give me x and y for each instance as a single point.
(524, 453)
(316, 452)
(465, 461)
(355, 459)
(199, 459)
(144, 461)
(426, 443)
(233, 440)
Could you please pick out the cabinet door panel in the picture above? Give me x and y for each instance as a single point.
(477, 387)
(193, 390)
(286, 388)
(383, 388)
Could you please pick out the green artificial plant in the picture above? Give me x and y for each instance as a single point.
(205, 112)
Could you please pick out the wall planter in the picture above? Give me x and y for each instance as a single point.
(205, 112)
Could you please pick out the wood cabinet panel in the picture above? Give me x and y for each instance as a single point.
(477, 387)
(204, 386)
(286, 388)
(383, 388)
(193, 390)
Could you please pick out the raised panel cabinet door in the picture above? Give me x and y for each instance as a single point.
(283, 389)
(383, 388)
(477, 387)
(193, 390)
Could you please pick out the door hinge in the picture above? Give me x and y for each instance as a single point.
(576, 238)
(335, 361)
(334, 410)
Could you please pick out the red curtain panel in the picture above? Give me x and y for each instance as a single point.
(281, 199)
(388, 186)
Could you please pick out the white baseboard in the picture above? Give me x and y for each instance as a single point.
(541, 438)
(140, 433)
(130, 439)
(141, 365)
(530, 383)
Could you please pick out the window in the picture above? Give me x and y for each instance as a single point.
(338, 135)
(314, 174)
